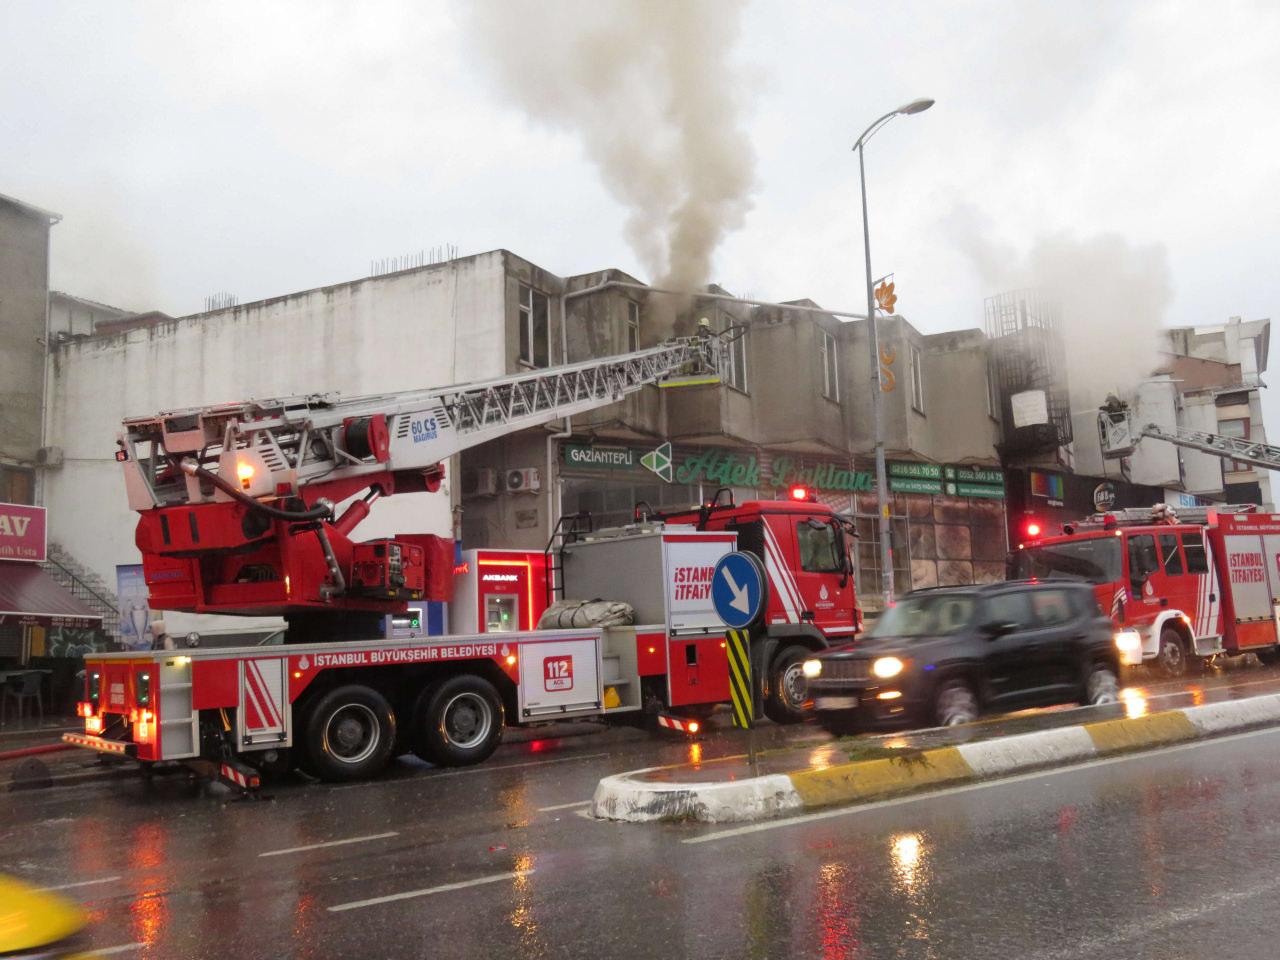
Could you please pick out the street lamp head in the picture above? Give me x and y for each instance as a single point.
(915, 106)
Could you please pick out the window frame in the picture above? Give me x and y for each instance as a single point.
(632, 332)
(527, 320)
(736, 378)
(1235, 466)
(1195, 549)
(917, 380)
(1165, 558)
(829, 356)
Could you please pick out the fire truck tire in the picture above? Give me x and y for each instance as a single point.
(785, 702)
(349, 733)
(458, 722)
(1171, 660)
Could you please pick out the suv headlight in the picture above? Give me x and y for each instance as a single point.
(812, 668)
(886, 667)
(1128, 641)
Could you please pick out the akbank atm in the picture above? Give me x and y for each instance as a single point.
(498, 591)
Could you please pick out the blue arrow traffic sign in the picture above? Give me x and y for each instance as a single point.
(737, 589)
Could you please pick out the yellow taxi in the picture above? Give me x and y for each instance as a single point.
(36, 923)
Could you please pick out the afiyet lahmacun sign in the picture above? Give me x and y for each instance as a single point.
(22, 532)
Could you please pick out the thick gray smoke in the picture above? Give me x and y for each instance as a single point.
(650, 88)
(1112, 295)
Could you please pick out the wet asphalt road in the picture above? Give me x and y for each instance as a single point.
(1164, 855)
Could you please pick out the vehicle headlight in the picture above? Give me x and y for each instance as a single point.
(1128, 641)
(812, 668)
(886, 667)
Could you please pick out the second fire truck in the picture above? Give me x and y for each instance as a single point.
(1181, 587)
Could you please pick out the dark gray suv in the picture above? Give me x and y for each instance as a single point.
(944, 656)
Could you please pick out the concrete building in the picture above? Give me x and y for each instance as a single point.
(71, 316)
(24, 315)
(793, 407)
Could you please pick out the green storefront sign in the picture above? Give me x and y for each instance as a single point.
(599, 458)
(953, 480)
(916, 471)
(727, 468)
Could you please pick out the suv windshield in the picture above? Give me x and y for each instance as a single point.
(1096, 560)
(929, 615)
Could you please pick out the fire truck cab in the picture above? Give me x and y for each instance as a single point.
(1179, 588)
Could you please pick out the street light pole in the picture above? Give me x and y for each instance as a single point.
(877, 387)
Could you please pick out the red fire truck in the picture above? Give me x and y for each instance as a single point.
(1181, 586)
(237, 515)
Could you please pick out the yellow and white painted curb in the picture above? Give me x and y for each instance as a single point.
(639, 796)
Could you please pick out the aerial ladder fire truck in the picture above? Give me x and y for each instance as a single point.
(240, 513)
(1181, 585)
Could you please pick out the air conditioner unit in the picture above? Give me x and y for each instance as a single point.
(49, 457)
(523, 481)
(482, 482)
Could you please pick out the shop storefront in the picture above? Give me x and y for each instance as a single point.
(44, 629)
(947, 520)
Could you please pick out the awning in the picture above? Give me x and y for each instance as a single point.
(28, 595)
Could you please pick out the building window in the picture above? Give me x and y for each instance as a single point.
(917, 381)
(633, 326)
(534, 309)
(17, 485)
(830, 368)
(1235, 430)
(735, 374)
(993, 404)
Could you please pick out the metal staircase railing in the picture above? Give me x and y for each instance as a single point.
(104, 606)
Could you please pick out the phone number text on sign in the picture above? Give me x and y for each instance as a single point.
(557, 673)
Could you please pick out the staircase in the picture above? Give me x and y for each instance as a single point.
(86, 586)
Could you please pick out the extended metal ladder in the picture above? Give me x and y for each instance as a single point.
(303, 439)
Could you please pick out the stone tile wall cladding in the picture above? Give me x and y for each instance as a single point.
(954, 540)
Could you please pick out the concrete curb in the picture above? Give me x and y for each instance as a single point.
(630, 797)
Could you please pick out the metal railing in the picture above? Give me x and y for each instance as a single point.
(106, 607)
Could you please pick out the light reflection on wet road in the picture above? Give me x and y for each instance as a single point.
(1168, 854)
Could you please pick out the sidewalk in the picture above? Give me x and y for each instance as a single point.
(859, 770)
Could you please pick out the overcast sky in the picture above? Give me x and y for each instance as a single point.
(269, 147)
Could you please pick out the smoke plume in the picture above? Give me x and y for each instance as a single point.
(651, 90)
(1112, 296)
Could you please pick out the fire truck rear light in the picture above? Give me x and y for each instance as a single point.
(84, 709)
(693, 726)
(93, 725)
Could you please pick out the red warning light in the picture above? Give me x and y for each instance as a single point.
(1032, 529)
(799, 493)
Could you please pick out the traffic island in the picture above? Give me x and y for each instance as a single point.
(853, 771)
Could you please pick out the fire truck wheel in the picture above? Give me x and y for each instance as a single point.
(458, 722)
(1172, 658)
(785, 702)
(349, 733)
(955, 703)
